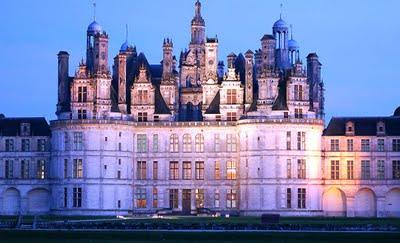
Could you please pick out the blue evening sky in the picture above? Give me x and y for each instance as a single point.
(356, 41)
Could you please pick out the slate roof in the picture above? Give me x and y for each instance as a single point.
(213, 108)
(363, 126)
(12, 126)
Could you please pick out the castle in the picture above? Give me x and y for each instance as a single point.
(189, 133)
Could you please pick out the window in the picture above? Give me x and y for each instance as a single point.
(217, 171)
(9, 169)
(396, 169)
(230, 143)
(174, 143)
(187, 143)
(396, 145)
(65, 197)
(66, 141)
(365, 145)
(288, 198)
(142, 116)
(155, 143)
(365, 169)
(40, 169)
(142, 97)
(350, 170)
(173, 170)
(298, 92)
(187, 170)
(288, 140)
(231, 116)
(82, 114)
(216, 198)
(231, 96)
(301, 140)
(141, 143)
(155, 197)
(350, 145)
(217, 143)
(155, 170)
(199, 170)
(231, 198)
(334, 145)
(199, 143)
(9, 145)
(24, 169)
(25, 129)
(298, 113)
(381, 145)
(199, 195)
(335, 170)
(141, 198)
(301, 198)
(119, 174)
(78, 168)
(82, 94)
(288, 168)
(380, 169)
(119, 203)
(65, 168)
(231, 170)
(41, 145)
(173, 198)
(25, 145)
(141, 170)
(77, 197)
(301, 168)
(78, 141)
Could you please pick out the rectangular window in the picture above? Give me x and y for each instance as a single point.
(350, 145)
(298, 92)
(187, 170)
(9, 169)
(77, 197)
(66, 141)
(231, 198)
(301, 140)
(82, 94)
(217, 143)
(217, 170)
(289, 168)
(199, 195)
(40, 169)
(350, 170)
(380, 169)
(288, 140)
(155, 170)
(41, 145)
(155, 197)
(65, 197)
(187, 143)
(78, 168)
(301, 168)
(334, 145)
(141, 143)
(65, 168)
(365, 145)
(199, 170)
(174, 143)
(78, 141)
(216, 198)
(9, 145)
(142, 97)
(301, 198)
(381, 145)
(231, 116)
(25, 145)
(173, 170)
(231, 96)
(141, 201)
(142, 116)
(396, 145)
(173, 198)
(155, 143)
(396, 169)
(288, 198)
(141, 171)
(199, 143)
(298, 113)
(365, 169)
(230, 143)
(82, 114)
(24, 169)
(231, 170)
(119, 175)
(335, 170)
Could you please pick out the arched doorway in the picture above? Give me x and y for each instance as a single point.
(365, 203)
(38, 201)
(334, 202)
(11, 201)
(393, 203)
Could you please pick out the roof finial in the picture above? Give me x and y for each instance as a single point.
(94, 10)
(291, 31)
(280, 15)
(126, 32)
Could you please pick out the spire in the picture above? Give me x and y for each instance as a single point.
(94, 10)
(198, 8)
(280, 15)
(126, 32)
(291, 32)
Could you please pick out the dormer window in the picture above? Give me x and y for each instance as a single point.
(380, 128)
(25, 129)
(349, 128)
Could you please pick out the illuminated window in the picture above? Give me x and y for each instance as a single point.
(396, 169)
(288, 140)
(288, 198)
(187, 170)
(216, 198)
(77, 168)
(230, 143)
(231, 170)
(350, 170)
(199, 143)
(301, 198)
(174, 143)
(199, 170)
(350, 145)
(199, 195)
(173, 198)
(334, 145)
(380, 169)
(141, 143)
(335, 170)
(142, 97)
(365, 169)
(77, 197)
(231, 198)
(365, 145)
(217, 171)
(231, 96)
(141, 201)
(301, 168)
(173, 170)
(141, 171)
(155, 197)
(40, 169)
(187, 143)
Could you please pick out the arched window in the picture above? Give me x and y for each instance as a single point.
(187, 143)
(199, 143)
(174, 143)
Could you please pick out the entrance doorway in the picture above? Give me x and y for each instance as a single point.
(186, 201)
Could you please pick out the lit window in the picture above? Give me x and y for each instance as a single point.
(231, 198)
(217, 171)
(298, 113)
(173, 170)
(41, 169)
(155, 197)
(141, 198)
(231, 96)
(199, 143)
(187, 143)
(78, 169)
(231, 170)
(174, 143)
(142, 97)
(350, 170)
(199, 195)
(199, 170)
(231, 116)
(187, 170)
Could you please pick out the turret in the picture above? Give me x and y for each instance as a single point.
(211, 58)
(280, 31)
(231, 60)
(249, 56)
(220, 70)
(198, 26)
(64, 93)
(314, 79)
(168, 59)
(97, 49)
(268, 44)
(120, 69)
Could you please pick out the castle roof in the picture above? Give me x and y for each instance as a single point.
(12, 126)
